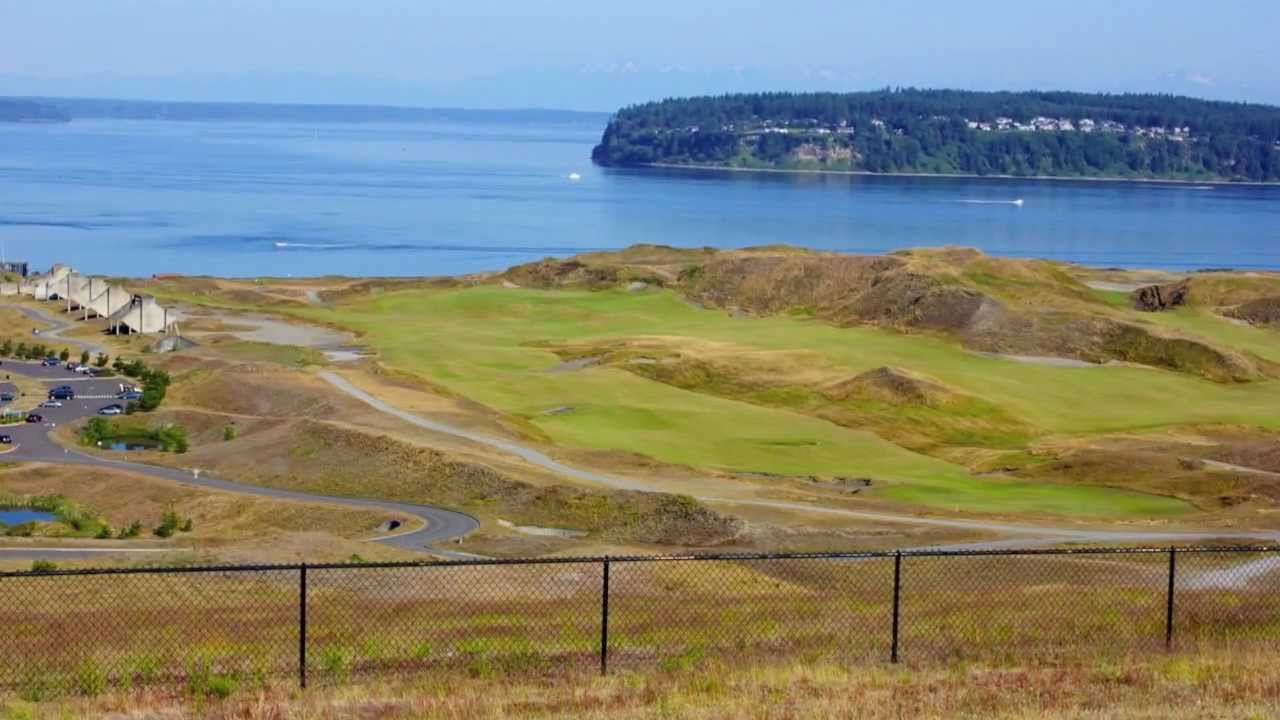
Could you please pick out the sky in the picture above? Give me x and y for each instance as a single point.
(600, 54)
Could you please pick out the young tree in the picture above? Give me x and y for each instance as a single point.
(84, 357)
(6, 348)
(65, 355)
(102, 360)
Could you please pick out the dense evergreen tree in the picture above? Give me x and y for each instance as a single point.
(952, 131)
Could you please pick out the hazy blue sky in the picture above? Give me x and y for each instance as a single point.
(596, 54)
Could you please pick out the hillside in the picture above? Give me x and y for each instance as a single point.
(936, 378)
(1055, 134)
(21, 110)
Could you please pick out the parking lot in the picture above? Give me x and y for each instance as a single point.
(30, 440)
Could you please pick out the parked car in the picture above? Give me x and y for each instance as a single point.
(51, 404)
(62, 393)
(111, 410)
(129, 395)
(7, 397)
(50, 362)
(83, 370)
(35, 418)
(6, 439)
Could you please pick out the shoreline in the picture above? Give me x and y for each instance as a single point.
(964, 176)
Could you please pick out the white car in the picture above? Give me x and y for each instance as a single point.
(51, 404)
(84, 369)
(111, 410)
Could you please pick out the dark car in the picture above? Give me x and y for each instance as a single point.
(50, 362)
(129, 395)
(62, 393)
(6, 439)
(7, 397)
(35, 418)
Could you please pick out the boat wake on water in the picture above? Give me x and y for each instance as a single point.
(1017, 202)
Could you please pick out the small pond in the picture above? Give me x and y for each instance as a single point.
(130, 445)
(23, 515)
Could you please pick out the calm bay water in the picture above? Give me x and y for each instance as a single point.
(238, 199)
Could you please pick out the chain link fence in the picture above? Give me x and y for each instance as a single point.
(90, 630)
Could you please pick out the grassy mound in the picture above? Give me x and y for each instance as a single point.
(1024, 307)
(322, 458)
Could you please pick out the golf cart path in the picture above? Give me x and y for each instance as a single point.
(57, 325)
(1026, 534)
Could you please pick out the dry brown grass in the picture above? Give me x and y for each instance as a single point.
(1209, 687)
(234, 528)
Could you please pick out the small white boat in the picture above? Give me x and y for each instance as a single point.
(574, 177)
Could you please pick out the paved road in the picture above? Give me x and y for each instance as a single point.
(34, 445)
(1023, 535)
(57, 326)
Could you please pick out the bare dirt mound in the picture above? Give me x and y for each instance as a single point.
(548, 274)
(888, 385)
(1263, 311)
(1156, 298)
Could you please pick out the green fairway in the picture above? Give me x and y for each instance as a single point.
(480, 343)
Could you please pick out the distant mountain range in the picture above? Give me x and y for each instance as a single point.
(30, 109)
(1055, 134)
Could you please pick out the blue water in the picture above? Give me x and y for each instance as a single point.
(137, 197)
(17, 517)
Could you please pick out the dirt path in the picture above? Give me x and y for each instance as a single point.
(1025, 535)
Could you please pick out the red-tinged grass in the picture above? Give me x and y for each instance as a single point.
(1209, 686)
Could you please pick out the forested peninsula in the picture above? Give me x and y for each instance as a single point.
(1024, 134)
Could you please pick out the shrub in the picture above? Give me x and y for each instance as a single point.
(26, 529)
(102, 360)
(91, 680)
(170, 523)
(229, 433)
(132, 531)
(39, 566)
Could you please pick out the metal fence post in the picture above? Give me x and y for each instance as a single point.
(302, 625)
(604, 619)
(897, 596)
(1168, 609)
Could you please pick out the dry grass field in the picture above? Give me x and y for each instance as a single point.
(1223, 686)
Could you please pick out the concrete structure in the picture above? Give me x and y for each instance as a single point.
(108, 299)
(124, 311)
(143, 315)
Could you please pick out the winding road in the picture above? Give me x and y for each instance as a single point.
(32, 443)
